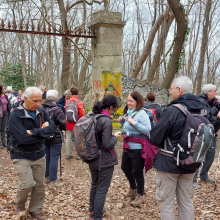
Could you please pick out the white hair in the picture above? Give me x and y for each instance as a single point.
(8, 89)
(67, 92)
(30, 91)
(185, 83)
(52, 95)
(208, 87)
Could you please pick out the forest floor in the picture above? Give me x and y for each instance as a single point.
(72, 200)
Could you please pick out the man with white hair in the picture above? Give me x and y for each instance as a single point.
(28, 126)
(53, 144)
(173, 180)
(11, 98)
(209, 96)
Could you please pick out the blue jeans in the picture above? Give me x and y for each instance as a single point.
(52, 156)
(209, 158)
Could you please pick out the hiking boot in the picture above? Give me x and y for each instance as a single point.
(47, 179)
(69, 157)
(138, 200)
(55, 184)
(208, 180)
(78, 157)
(38, 216)
(196, 186)
(91, 213)
(19, 209)
(131, 193)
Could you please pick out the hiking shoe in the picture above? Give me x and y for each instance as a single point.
(69, 157)
(139, 199)
(131, 193)
(47, 179)
(91, 213)
(38, 216)
(196, 186)
(55, 184)
(78, 157)
(19, 209)
(208, 180)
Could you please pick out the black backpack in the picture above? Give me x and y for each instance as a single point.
(196, 139)
(50, 112)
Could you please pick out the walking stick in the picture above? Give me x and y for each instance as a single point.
(217, 170)
(60, 166)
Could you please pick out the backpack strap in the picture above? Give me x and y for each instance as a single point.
(183, 109)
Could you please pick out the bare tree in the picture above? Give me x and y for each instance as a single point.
(176, 7)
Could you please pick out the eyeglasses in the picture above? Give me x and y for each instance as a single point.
(173, 88)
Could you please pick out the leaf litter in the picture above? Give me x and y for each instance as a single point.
(72, 200)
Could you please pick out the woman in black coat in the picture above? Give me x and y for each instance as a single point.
(101, 178)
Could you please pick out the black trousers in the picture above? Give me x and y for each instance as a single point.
(133, 165)
(101, 180)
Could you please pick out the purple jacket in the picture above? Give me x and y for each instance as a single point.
(148, 151)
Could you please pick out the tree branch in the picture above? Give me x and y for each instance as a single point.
(79, 51)
(83, 1)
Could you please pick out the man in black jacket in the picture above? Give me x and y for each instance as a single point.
(208, 97)
(172, 180)
(28, 126)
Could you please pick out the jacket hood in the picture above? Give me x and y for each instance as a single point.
(191, 102)
(48, 103)
(209, 101)
(150, 105)
(73, 98)
(21, 112)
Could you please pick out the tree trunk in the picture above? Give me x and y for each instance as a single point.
(200, 70)
(148, 45)
(179, 40)
(82, 76)
(159, 51)
(66, 48)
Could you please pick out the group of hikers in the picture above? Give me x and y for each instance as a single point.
(175, 142)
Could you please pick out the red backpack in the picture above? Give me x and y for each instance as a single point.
(154, 113)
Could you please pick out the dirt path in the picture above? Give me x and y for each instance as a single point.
(71, 201)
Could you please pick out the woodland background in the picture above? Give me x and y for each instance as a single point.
(161, 39)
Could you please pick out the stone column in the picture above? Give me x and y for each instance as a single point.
(106, 53)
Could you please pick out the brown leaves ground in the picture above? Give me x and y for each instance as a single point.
(72, 200)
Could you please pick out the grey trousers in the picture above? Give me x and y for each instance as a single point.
(3, 124)
(169, 186)
(31, 176)
(69, 144)
(101, 180)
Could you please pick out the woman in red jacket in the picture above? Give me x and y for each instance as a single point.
(70, 125)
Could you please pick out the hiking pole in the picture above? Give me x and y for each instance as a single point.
(217, 170)
(60, 166)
